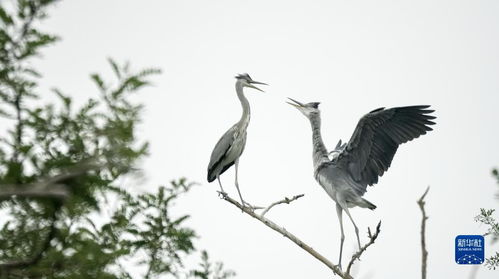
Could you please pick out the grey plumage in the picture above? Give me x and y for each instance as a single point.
(366, 156)
(231, 145)
(374, 142)
(217, 165)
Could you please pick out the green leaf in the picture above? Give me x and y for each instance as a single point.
(5, 18)
(99, 82)
(115, 67)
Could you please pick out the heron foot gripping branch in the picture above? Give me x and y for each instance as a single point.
(222, 195)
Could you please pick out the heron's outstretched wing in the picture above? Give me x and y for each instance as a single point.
(221, 148)
(376, 138)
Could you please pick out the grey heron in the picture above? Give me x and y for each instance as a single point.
(231, 145)
(367, 155)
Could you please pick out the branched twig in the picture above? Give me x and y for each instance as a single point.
(372, 238)
(424, 252)
(290, 236)
(285, 200)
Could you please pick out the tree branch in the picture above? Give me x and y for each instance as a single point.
(285, 200)
(37, 190)
(285, 233)
(372, 238)
(424, 252)
(52, 188)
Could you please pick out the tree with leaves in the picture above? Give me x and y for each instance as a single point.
(486, 217)
(60, 164)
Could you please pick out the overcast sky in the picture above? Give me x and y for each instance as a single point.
(352, 56)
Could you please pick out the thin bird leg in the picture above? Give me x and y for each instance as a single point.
(355, 226)
(220, 183)
(339, 211)
(243, 203)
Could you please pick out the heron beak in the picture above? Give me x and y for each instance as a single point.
(296, 104)
(250, 84)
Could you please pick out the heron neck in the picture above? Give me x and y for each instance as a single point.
(245, 118)
(320, 151)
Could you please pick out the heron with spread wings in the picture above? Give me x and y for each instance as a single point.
(367, 155)
(231, 145)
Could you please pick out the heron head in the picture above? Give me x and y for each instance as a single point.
(308, 109)
(247, 81)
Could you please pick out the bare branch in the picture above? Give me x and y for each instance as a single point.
(424, 252)
(285, 200)
(290, 236)
(57, 191)
(372, 238)
(51, 188)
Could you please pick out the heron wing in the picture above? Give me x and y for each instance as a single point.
(221, 148)
(376, 138)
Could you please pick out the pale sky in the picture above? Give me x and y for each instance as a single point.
(352, 56)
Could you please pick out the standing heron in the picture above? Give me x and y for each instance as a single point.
(365, 157)
(231, 145)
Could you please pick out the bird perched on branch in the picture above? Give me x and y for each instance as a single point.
(367, 155)
(231, 145)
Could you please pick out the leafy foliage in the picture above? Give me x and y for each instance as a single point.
(486, 217)
(44, 237)
(207, 270)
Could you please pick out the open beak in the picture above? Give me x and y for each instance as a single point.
(295, 103)
(256, 82)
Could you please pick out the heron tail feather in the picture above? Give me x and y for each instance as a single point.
(368, 204)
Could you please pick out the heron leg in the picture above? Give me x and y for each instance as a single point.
(355, 226)
(339, 211)
(220, 183)
(243, 203)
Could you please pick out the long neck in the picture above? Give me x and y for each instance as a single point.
(320, 151)
(245, 118)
